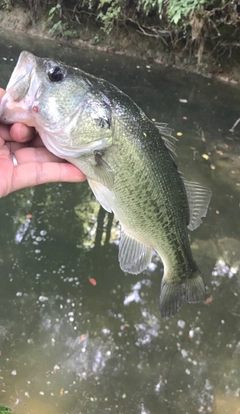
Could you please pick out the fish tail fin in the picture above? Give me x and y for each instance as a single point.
(173, 294)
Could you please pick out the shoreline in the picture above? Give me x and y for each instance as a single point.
(125, 42)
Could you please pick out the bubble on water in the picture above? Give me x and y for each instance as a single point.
(106, 331)
(43, 298)
(152, 266)
(181, 323)
(184, 353)
(14, 372)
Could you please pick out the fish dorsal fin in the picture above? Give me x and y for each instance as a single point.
(103, 195)
(198, 199)
(169, 140)
(133, 255)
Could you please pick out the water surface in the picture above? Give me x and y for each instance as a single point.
(69, 347)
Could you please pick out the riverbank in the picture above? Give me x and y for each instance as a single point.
(126, 41)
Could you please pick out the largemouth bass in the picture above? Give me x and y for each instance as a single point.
(128, 160)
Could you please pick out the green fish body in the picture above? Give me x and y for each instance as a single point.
(129, 162)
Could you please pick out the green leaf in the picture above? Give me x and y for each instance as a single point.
(52, 11)
(5, 410)
(177, 16)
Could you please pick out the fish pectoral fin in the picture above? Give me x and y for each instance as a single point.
(173, 295)
(103, 195)
(103, 171)
(198, 199)
(133, 255)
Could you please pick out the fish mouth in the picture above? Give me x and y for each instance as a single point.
(20, 80)
(20, 91)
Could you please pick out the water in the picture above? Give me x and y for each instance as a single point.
(68, 346)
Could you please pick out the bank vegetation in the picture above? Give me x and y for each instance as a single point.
(186, 28)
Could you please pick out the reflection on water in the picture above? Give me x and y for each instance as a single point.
(68, 346)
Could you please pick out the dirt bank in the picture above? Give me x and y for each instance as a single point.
(127, 41)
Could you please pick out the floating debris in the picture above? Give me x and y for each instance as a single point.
(191, 333)
(208, 300)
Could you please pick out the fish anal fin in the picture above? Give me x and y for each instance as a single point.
(134, 256)
(198, 199)
(173, 295)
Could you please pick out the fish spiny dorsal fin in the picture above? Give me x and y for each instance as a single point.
(198, 199)
(168, 138)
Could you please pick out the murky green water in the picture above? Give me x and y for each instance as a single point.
(70, 347)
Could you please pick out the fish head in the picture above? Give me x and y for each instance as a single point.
(41, 93)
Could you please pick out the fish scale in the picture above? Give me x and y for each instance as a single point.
(156, 198)
(129, 162)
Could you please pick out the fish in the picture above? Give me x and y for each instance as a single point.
(130, 163)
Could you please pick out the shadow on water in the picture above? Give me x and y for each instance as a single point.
(68, 346)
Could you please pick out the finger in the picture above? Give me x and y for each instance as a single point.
(32, 174)
(5, 132)
(2, 92)
(4, 129)
(21, 132)
(17, 132)
(37, 142)
(26, 155)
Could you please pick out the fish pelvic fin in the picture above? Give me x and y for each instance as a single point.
(134, 256)
(174, 294)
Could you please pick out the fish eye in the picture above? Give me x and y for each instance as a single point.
(55, 74)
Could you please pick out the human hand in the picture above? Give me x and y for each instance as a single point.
(25, 161)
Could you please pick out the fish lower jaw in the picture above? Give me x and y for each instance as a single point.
(9, 116)
(12, 111)
(59, 149)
